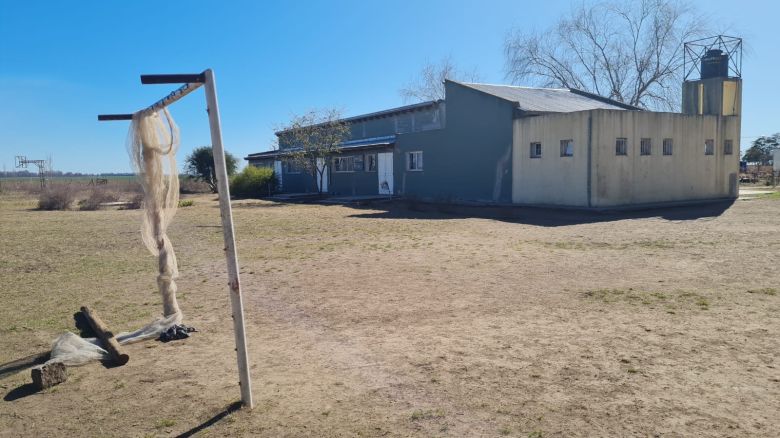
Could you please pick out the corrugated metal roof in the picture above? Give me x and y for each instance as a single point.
(557, 100)
(387, 112)
(363, 143)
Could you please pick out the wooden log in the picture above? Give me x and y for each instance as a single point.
(48, 375)
(109, 341)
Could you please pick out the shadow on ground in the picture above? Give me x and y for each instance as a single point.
(20, 392)
(233, 407)
(545, 217)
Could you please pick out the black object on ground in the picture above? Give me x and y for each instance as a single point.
(178, 331)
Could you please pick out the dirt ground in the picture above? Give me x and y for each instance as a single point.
(386, 321)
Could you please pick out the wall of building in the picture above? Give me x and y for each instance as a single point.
(470, 159)
(687, 174)
(713, 96)
(597, 177)
(300, 182)
(358, 182)
(551, 179)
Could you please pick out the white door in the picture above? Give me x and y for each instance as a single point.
(385, 172)
(278, 172)
(324, 181)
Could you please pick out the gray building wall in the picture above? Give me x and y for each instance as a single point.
(301, 182)
(551, 179)
(470, 159)
(688, 174)
(597, 177)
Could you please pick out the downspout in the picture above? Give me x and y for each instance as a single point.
(590, 157)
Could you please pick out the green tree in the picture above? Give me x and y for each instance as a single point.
(311, 140)
(200, 165)
(761, 149)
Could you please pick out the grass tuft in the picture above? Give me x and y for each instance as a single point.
(428, 414)
(165, 422)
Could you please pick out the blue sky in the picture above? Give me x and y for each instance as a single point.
(61, 63)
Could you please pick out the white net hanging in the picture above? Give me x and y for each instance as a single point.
(152, 143)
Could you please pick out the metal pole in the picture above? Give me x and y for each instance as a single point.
(236, 301)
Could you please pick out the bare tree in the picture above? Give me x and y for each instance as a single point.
(311, 140)
(429, 85)
(629, 51)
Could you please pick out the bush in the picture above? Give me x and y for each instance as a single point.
(135, 202)
(56, 198)
(186, 203)
(190, 185)
(96, 197)
(254, 182)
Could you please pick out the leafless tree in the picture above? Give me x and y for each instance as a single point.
(311, 140)
(630, 51)
(429, 85)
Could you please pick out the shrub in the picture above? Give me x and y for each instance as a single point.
(135, 202)
(58, 197)
(96, 197)
(254, 182)
(190, 185)
(186, 203)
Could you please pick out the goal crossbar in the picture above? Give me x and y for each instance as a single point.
(191, 83)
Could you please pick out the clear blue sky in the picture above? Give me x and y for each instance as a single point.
(63, 62)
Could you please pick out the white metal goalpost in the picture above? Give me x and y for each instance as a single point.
(191, 83)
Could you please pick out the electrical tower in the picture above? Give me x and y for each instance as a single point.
(22, 162)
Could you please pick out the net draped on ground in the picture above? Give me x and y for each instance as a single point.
(152, 143)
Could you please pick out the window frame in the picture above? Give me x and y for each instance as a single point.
(645, 151)
(536, 149)
(564, 146)
(418, 161)
(350, 160)
(621, 147)
(709, 146)
(371, 159)
(670, 143)
(730, 149)
(290, 168)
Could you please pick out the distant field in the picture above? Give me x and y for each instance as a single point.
(33, 183)
(389, 322)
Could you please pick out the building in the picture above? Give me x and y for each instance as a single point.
(503, 144)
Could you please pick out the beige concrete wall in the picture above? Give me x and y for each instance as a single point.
(688, 174)
(551, 179)
(633, 179)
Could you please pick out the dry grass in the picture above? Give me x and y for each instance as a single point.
(368, 322)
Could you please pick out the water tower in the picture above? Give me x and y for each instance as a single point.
(713, 76)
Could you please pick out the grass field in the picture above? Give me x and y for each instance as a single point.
(389, 322)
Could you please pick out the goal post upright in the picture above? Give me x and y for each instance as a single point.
(223, 187)
(191, 83)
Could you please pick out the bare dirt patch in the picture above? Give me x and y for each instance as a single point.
(390, 322)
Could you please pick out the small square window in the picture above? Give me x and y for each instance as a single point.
(728, 147)
(621, 146)
(567, 148)
(668, 144)
(414, 161)
(645, 147)
(709, 147)
(371, 158)
(536, 150)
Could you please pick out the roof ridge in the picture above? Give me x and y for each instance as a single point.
(512, 86)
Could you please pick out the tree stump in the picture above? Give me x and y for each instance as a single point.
(48, 375)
